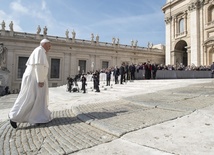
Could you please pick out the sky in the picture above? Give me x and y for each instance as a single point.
(141, 20)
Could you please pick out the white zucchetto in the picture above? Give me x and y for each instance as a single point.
(43, 41)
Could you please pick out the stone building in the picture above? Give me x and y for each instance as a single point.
(189, 32)
(70, 56)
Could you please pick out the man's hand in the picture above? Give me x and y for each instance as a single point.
(41, 84)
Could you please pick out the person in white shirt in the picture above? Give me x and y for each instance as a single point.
(31, 105)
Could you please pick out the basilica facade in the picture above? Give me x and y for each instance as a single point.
(68, 56)
(189, 32)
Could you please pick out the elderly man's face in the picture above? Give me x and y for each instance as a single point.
(47, 46)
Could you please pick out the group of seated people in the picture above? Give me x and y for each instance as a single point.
(176, 67)
(184, 68)
(72, 85)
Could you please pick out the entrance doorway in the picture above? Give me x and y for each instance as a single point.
(211, 56)
(181, 53)
(82, 66)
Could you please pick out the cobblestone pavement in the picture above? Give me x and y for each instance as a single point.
(85, 126)
(63, 135)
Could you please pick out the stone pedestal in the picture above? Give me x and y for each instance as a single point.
(37, 36)
(11, 33)
(3, 32)
(4, 80)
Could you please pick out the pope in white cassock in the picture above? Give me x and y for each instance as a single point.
(31, 105)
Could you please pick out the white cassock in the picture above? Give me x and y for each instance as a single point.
(31, 104)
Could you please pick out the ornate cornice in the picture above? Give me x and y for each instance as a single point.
(209, 42)
(195, 5)
(168, 19)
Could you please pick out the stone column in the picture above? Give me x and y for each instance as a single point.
(175, 27)
(205, 55)
(172, 55)
(189, 57)
(92, 63)
(73, 65)
(67, 66)
(168, 41)
(194, 31)
(185, 22)
(97, 63)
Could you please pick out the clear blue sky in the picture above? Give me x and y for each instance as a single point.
(141, 20)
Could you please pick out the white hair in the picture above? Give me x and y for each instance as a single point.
(43, 41)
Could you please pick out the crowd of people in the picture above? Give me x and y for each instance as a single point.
(126, 72)
(184, 68)
(120, 75)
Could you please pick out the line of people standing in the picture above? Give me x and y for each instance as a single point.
(121, 74)
(150, 70)
(125, 72)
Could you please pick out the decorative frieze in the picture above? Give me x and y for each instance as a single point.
(195, 5)
(168, 19)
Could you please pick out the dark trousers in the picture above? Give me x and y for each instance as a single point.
(83, 87)
(69, 87)
(121, 78)
(108, 82)
(154, 75)
(132, 76)
(116, 79)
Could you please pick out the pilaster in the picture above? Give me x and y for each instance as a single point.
(194, 31)
(168, 41)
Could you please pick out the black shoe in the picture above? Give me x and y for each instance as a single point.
(13, 124)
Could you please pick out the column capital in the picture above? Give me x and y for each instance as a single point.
(195, 5)
(168, 19)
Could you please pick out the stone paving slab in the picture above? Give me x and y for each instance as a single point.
(183, 99)
(89, 125)
(137, 112)
(120, 117)
(7, 102)
(65, 134)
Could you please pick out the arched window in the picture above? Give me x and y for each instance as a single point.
(211, 13)
(181, 25)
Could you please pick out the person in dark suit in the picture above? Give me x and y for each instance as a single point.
(148, 69)
(127, 72)
(96, 81)
(122, 73)
(108, 77)
(116, 73)
(154, 70)
(212, 69)
(132, 71)
(70, 83)
(83, 79)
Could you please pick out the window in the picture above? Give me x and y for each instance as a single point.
(55, 68)
(82, 64)
(181, 25)
(105, 64)
(21, 66)
(211, 13)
